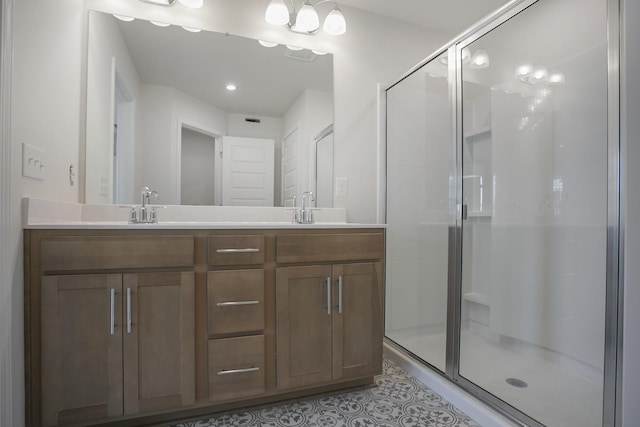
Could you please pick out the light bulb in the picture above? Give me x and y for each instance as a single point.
(267, 43)
(124, 18)
(307, 18)
(335, 23)
(194, 4)
(277, 13)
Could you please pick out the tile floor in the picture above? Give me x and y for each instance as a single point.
(399, 400)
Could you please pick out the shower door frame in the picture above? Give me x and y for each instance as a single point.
(612, 386)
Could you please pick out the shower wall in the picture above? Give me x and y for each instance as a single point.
(542, 261)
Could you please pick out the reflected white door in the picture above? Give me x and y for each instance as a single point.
(290, 155)
(247, 171)
(324, 172)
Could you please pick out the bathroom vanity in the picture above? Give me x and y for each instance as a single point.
(136, 325)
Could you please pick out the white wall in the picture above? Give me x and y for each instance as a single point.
(310, 113)
(197, 180)
(108, 54)
(162, 110)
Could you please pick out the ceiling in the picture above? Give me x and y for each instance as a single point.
(446, 16)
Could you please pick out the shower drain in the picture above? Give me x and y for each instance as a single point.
(516, 382)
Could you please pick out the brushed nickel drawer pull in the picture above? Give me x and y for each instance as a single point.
(340, 294)
(235, 303)
(237, 371)
(329, 296)
(112, 311)
(238, 251)
(128, 310)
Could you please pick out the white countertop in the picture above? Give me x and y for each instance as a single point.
(46, 214)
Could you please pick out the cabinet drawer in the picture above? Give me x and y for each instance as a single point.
(236, 301)
(236, 250)
(236, 367)
(111, 252)
(329, 247)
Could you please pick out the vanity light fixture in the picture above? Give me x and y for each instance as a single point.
(318, 52)
(290, 47)
(305, 19)
(160, 24)
(192, 29)
(194, 4)
(527, 73)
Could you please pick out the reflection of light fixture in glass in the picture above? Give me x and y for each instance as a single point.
(480, 59)
(556, 78)
(124, 18)
(305, 19)
(539, 75)
(466, 55)
(231, 87)
(192, 29)
(266, 43)
(195, 4)
(160, 24)
(523, 69)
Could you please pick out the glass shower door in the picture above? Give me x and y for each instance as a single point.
(418, 179)
(534, 184)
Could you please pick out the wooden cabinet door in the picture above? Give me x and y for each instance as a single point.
(357, 320)
(81, 348)
(303, 326)
(159, 341)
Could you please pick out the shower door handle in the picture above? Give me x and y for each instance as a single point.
(463, 213)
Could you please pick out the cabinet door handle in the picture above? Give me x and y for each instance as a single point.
(235, 303)
(340, 294)
(238, 251)
(237, 371)
(128, 310)
(329, 296)
(112, 322)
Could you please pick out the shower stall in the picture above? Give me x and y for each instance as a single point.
(502, 211)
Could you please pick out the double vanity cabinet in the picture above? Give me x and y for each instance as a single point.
(146, 325)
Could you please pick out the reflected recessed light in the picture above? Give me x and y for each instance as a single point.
(318, 52)
(192, 29)
(124, 18)
(231, 87)
(160, 24)
(267, 43)
(523, 69)
(293, 47)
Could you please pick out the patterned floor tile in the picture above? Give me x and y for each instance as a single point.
(399, 400)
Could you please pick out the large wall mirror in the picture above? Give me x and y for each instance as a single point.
(160, 114)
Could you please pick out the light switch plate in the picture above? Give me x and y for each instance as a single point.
(33, 162)
(341, 187)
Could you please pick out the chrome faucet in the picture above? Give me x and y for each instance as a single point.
(306, 216)
(147, 216)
